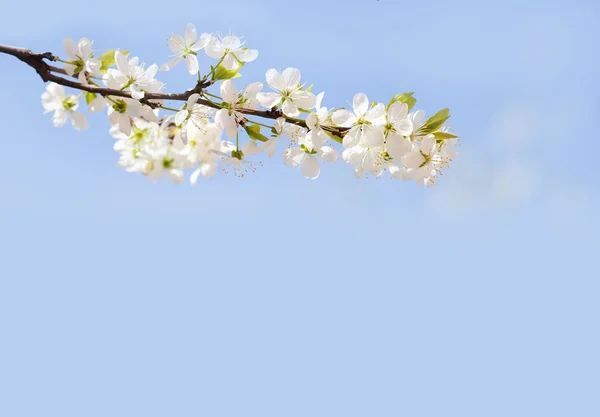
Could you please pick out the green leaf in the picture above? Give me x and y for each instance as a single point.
(222, 73)
(254, 132)
(403, 98)
(310, 87)
(444, 135)
(108, 59)
(89, 97)
(436, 121)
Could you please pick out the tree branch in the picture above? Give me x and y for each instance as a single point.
(47, 73)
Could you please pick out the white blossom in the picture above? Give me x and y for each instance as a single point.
(80, 59)
(186, 47)
(306, 154)
(231, 50)
(365, 123)
(54, 99)
(288, 92)
(192, 113)
(229, 117)
(131, 76)
(157, 138)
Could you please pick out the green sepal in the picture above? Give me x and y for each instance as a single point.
(89, 97)
(310, 87)
(254, 132)
(403, 98)
(222, 73)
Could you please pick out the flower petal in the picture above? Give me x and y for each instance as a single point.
(122, 63)
(181, 116)
(214, 49)
(352, 138)
(397, 112)
(85, 48)
(311, 168)
(397, 146)
(275, 80)
(360, 104)
(376, 115)
(202, 42)
(373, 136)
(289, 108)
(70, 69)
(190, 34)
(56, 90)
(412, 160)
(192, 100)
(303, 99)
(343, 117)
(291, 77)
(191, 62)
(293, 156)
(271, 146)
(229, 92)
(328, 154)
(247, 55)
(268, 100)
(194, 176)
(59, 117)
(70, 48)
(78, 120)
(230, 63)
(177, 44)
(148, 114)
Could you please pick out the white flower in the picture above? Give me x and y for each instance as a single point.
(80, 59)
(230, 49)
(365, 159)
(194, 113)
(235, 158)
(164, 159)
(427, 159)
(130, 76)
(229, 117)
(271, 144)
(132, 148)
(366, 124)
(397, 146)
(314, 120)
(305, 156)
(397, 120)
(186, 47)
(54, 99)
(289, 92)
(201, 150)
(121, 112)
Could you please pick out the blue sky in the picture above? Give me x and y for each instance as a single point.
(279, 296)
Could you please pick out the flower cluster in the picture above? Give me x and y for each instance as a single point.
(219, 129)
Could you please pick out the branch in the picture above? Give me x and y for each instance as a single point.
(46, 72)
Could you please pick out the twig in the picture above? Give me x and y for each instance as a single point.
(47, 73)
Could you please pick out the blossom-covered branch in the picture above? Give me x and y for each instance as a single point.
(375, 137)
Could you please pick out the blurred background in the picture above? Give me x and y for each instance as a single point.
(280, 296)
